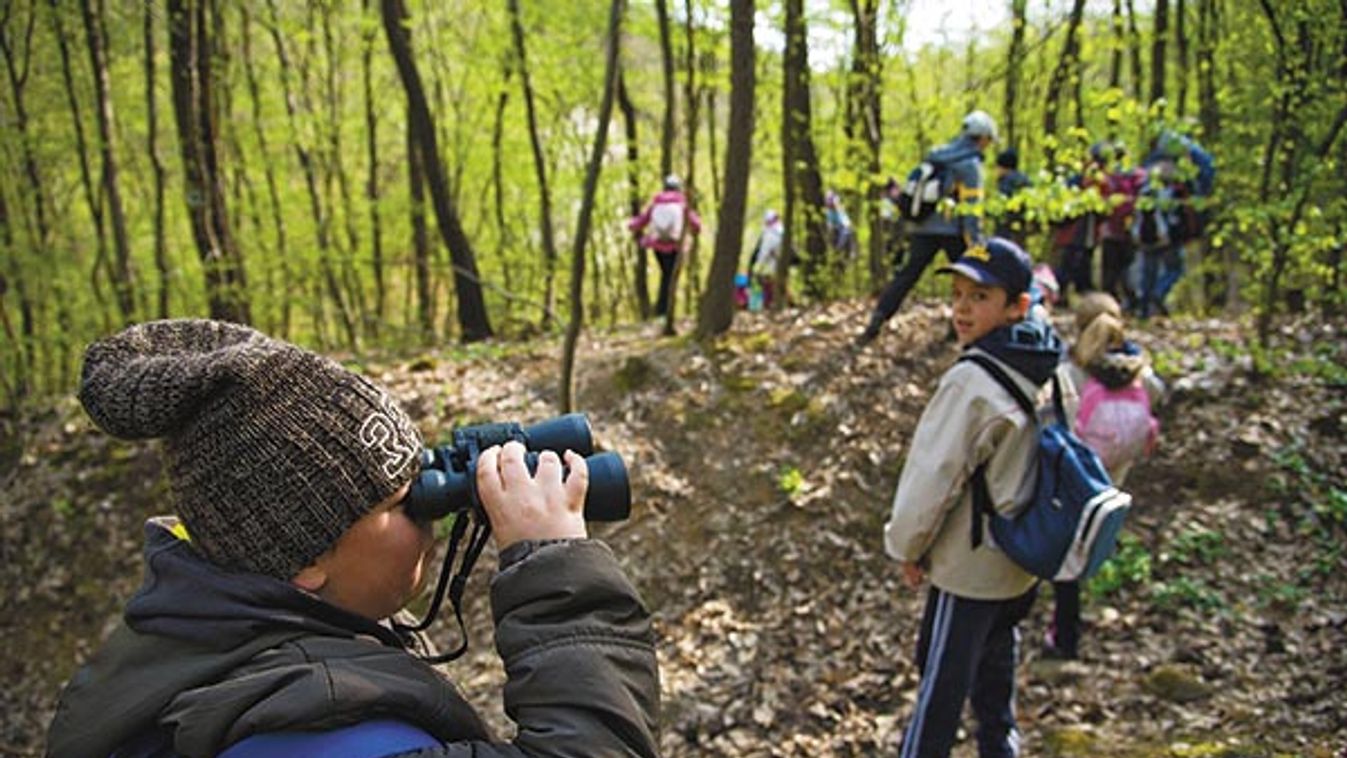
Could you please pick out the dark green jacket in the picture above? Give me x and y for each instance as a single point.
(206, 657)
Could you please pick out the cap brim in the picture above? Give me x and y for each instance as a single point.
(976, 274)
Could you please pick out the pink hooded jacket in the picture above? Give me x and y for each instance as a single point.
(638, 223)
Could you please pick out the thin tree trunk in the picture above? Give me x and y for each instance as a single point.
(1208, 109)
(1134, 48)
(1118, 43)
(335, 170)
(92, 196)
(707, 95)
(505, 238)
(287, 283)
(1060, 74)
(322, 216)
(539, 166)
(809, 183)
(666, 133)
(868, 76)
(634, 197)
(717, 306)
(1158, 39)
(1181, 48)
(573, 328)
(472, 315)
(425, 295)
(17, 51)
(789, 169)
(690, 100)
(190, 56)
(22, 352)
(1014, 69)
(161, 263)
(372, 192)
(122, 282)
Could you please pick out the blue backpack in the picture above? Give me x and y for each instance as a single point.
(1070, 526)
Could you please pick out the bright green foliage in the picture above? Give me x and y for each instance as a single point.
(1272, 116)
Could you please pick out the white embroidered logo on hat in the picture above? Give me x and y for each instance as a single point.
(389, 430)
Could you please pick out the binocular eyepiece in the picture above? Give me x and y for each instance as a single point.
(448, 480)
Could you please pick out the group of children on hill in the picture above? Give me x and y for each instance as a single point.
(1151, 213)
(265, 625)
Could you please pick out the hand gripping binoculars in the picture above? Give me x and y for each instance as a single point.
(447, 483)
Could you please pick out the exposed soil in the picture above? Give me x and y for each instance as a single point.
(763, 466)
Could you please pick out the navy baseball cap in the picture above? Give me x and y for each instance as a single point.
(997, 263)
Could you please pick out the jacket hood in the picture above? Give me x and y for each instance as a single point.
(961, 148)
(1031, 347)
(1119, 367)
(187, 598)
(669, 196)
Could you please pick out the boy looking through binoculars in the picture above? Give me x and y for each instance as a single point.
(263, 623)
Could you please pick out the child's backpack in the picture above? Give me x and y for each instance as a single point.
(1116, 423)
(666, 221)
(926, 185)
(1070, 526)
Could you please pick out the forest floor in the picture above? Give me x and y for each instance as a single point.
(763, 465)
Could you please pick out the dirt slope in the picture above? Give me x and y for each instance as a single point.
(763, 466)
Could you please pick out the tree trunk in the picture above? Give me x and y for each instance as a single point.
(567, 389)
(190, 60)
(472, 315)
(1065, 66)
(867, 77)
(690, 100)
(322, 215)
(17, 69)
(1158, 51)
(22, 346)
(539, 166)
(1134, 52)
(634, 197)
(96, 35)
(425, 294)
(798, 114)
(1014, 68)
(335, 169)
(1208, 109)
(1118, 43)
(505, 238)
(92, 196)
(372, 192)
(1181, 48)
(717, 306)
(666, 133)
(161, 264)
(269, 172)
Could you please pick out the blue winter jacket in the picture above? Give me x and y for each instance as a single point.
(964, 183)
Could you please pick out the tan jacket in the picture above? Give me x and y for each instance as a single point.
(970, 419)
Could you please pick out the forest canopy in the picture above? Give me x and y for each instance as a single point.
(351, 174)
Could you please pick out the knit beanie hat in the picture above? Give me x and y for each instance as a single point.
(272, 451)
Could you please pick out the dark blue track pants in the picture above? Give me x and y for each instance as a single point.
(967, 651)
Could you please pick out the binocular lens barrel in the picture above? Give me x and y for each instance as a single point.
(437, 492)
(568, 432)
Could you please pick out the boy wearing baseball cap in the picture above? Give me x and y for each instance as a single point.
(967, 645)
(262, 627)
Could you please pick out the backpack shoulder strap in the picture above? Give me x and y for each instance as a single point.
(1003, 379)
(982, 500)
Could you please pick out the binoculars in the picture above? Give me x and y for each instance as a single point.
(447, 483)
